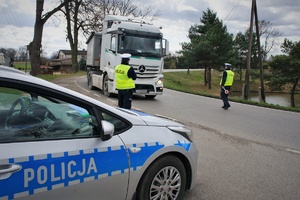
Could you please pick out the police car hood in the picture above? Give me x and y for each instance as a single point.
(152, 120)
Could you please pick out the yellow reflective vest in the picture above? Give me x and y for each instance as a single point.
(123, 82)
(229, 78)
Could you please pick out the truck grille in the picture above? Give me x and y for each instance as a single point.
(146, 71)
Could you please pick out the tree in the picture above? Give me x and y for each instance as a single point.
(82, 64)
(72, 14)
(35, 47)
(210, 44)
(87, 16)
(22, 53)
(286, 69)
(96, 10)
(11, 53)
(269, 34)
(54, 55)
(241, 49)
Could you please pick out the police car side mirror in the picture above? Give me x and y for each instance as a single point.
(108, 130)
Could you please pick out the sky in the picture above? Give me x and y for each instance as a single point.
(17, 19)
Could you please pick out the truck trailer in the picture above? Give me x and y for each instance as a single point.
(141, 39)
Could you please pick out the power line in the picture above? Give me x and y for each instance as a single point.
(8, 20)
(14, 17)
(233, 9)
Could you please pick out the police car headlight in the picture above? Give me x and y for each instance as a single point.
(187, 133)
(160, 81)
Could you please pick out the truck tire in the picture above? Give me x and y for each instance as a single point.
(90, 82)
(150, 96)
(165, 178)
(105, 86)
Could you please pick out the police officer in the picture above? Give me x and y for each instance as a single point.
(226, 83)
(125, 76)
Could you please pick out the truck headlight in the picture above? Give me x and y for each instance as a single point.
(160, 81)
(185, 132)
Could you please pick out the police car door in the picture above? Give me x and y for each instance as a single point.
(51, 149)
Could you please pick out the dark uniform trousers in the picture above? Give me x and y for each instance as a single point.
(224, 96)
(125, 98)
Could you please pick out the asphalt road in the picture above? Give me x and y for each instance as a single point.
(246, 152)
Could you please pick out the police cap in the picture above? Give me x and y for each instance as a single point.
(126, 55)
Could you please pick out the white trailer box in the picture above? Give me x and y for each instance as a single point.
(94, 49)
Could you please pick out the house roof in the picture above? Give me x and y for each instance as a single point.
(68, 52)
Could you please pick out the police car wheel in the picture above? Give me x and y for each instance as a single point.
(164, 179)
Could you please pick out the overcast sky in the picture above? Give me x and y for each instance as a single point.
(17, 19)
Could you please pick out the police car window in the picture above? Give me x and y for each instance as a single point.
(27, 116)
(119, 125)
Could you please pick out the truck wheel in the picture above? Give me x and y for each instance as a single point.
(105, 86)
(90, 83)
(150, 96)
(164, 179)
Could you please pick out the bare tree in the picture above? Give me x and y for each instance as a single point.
(35, 46)
(96, 10)
(22, 53)
(74, 23)
(270, 35)
(87, 16)
(54, 55)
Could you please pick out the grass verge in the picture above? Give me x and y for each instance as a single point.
(193, 82)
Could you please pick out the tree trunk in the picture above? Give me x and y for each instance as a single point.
(35, 46)
(293, 93)
(209, 77)
(73, 39)
(74, 59)
(205, 76)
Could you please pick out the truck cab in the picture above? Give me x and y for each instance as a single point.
(121, 35)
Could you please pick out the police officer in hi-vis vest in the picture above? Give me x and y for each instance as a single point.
(226, 83)
(125, 76)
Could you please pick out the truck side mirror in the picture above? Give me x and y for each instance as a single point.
(165, 47)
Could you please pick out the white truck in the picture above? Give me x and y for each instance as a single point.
(120, 35)
(5, 60)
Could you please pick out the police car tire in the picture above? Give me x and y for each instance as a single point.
(153, 171)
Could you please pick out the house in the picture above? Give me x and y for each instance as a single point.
(63, 62)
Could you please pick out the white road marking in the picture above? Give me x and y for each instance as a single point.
(293, 151)
(81, 87)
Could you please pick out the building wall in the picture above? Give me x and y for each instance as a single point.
(62, 55)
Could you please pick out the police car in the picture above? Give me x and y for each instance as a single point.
(58, 144)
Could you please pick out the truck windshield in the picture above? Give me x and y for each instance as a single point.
(140, 46)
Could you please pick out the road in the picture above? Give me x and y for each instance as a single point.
(245, 152)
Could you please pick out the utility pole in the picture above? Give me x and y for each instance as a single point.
(247, 75)
(246, 84)
(262, 87)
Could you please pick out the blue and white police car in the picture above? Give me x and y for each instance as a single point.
(58, 144)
